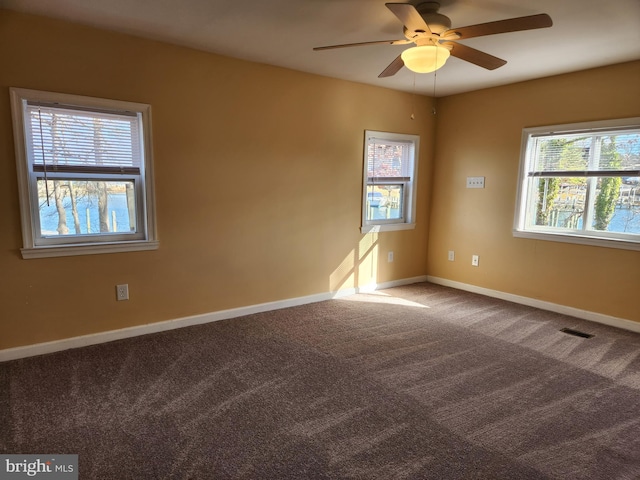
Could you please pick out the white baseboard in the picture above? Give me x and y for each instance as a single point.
(103, 337)
(532, 302)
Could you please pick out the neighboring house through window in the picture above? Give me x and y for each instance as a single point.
(580, 183)
(84, 174)
(389, 181)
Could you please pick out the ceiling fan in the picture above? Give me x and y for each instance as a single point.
(435, 40)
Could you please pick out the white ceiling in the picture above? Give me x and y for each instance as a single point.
(585, 34)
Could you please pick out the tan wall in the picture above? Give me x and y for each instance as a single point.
(478, 134)
(258, 184)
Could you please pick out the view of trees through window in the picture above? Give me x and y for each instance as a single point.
(77, 207)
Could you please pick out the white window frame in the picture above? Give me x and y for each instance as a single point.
(525, 198)
(36, 245)
(407, 220)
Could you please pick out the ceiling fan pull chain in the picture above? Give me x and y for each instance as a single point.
(435, 76)
(413, 100)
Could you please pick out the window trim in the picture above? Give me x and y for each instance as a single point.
(584, 237)
(410, 190)
(28, 212)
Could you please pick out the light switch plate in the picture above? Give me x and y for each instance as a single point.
(475, 182)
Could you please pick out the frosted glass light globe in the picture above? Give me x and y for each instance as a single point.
(425, 58)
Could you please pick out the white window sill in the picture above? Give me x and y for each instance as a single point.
(92, 249)
(578, 239)
(387, 227)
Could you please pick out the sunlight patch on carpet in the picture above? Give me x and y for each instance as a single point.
(381, 297)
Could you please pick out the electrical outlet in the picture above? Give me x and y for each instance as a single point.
(390, 257)
(475, 260)
(122, 292)
(452, 255)
(475, 182)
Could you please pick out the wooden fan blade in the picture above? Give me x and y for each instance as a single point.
(474, 56)
(379, 42)
(530, 22)
(409, 17)
(393, 68)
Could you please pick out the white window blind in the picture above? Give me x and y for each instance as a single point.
(69, 140)
(389, 160)
(586, 154)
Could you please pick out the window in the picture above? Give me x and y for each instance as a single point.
(389, 192)
(580, 183)
(84, 174)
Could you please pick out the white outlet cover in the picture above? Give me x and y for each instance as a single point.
(122, 292)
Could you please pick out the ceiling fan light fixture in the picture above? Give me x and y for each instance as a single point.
(425, 58)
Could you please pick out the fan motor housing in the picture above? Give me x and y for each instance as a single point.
(437, 22)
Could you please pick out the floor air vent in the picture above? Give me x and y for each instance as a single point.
(576, 333)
